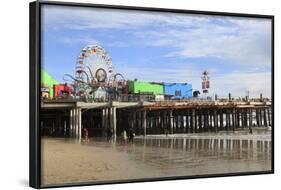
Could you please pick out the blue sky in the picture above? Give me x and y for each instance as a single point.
(153, 46)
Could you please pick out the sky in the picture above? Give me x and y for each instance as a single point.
(163, 47)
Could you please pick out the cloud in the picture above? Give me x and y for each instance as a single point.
(82, 39)
(247, 43)
(239, 40)
(239, 83)
(99, 18)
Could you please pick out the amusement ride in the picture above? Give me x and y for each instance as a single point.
(95, 78)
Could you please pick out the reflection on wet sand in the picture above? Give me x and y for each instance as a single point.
(155, 156)
(223, 148)
(191, 156)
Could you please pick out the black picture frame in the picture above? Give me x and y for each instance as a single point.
(34, 106)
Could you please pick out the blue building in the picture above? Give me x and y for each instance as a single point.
(178, 90)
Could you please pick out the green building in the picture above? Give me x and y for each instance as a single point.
(145, 87)
(48, 81)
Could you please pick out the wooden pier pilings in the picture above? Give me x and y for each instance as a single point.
(69, 118)
(192, 120)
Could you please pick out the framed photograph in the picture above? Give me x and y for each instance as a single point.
(131, 94)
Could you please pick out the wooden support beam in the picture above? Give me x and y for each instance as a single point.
(211, 119)
(80, 123)
(245, 118)
(242, 116)
(233, 119)
(176, 121)
(71, 123)
(215, 120)
(182, 121)
(166, 120)
(238, 118)
(196, 121)
(206, 125)
(258, 117)
(265, 117)
(144, 123)
(104, 129)
(171, 121)
(113, 120)
(227, 119)
(269, 116)
(250, 117)
(162, 125)
(221, 119)
(200, 121)
(187, 113)
(193, 121)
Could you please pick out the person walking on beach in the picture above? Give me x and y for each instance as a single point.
(131, 135)
(250, 130)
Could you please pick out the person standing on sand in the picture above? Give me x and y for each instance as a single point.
(166, 132)
(86, 134)
(250, 130)
(124, 136)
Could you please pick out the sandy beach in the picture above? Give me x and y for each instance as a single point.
(65, 161)
(71, 161)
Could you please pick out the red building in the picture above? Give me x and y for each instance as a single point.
(62, 90)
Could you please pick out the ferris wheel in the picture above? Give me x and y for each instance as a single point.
(95, 77)
(94, 68)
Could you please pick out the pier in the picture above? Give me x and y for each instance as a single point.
(67, 118)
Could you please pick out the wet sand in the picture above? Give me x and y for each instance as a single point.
(70, 161)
